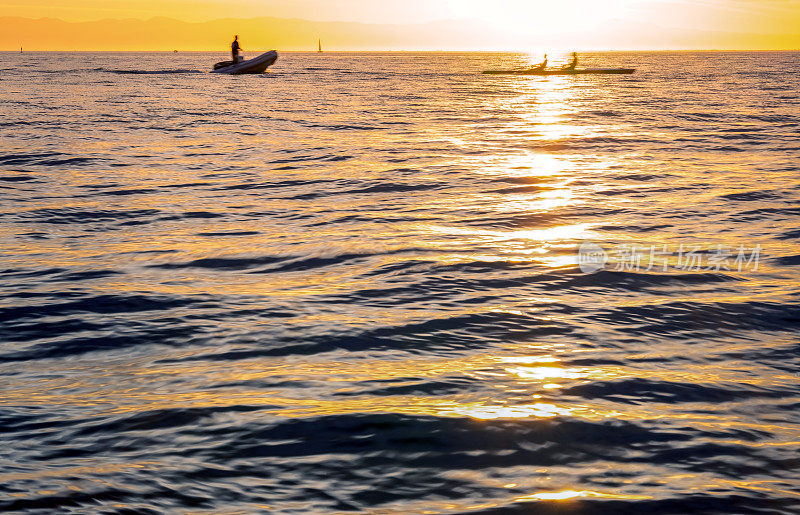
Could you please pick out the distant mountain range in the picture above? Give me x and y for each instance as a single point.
(164, 34)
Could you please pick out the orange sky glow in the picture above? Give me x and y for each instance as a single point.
(503, 24)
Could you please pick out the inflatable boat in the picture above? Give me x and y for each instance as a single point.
(257, 65)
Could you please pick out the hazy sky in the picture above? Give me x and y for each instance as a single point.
(478, 25)
(781, 16)
(373, 11)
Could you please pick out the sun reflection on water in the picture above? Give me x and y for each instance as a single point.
(565, 495)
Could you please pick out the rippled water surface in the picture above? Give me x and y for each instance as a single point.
(353, 285)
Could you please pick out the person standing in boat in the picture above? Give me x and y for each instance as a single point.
(235, 49)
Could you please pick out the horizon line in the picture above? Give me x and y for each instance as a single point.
(430, 51)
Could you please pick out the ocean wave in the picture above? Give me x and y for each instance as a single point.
(44, 159)
(147, 72)
(412, 453)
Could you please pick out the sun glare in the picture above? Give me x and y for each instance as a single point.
(524, 16)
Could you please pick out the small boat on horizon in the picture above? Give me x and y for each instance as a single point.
(319, 46)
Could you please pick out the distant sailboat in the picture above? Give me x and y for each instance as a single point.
(319, 48)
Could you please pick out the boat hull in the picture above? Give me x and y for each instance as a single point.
(584, 71)
(251, 66)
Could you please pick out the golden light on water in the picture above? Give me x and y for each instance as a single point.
(524, 239)
(521, 384)
(566, 495)
(536, 410)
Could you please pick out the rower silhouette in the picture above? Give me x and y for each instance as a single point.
(574, 63)
(541, 66)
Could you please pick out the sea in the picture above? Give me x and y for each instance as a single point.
(385, 283)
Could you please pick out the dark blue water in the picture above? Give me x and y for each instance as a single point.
(355, 285)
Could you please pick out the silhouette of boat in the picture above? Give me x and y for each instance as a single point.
(319, 50)
(257, 65)
(556, 71)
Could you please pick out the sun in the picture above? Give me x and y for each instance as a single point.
(552, 16)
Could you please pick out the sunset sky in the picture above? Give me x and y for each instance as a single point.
(774, 18)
